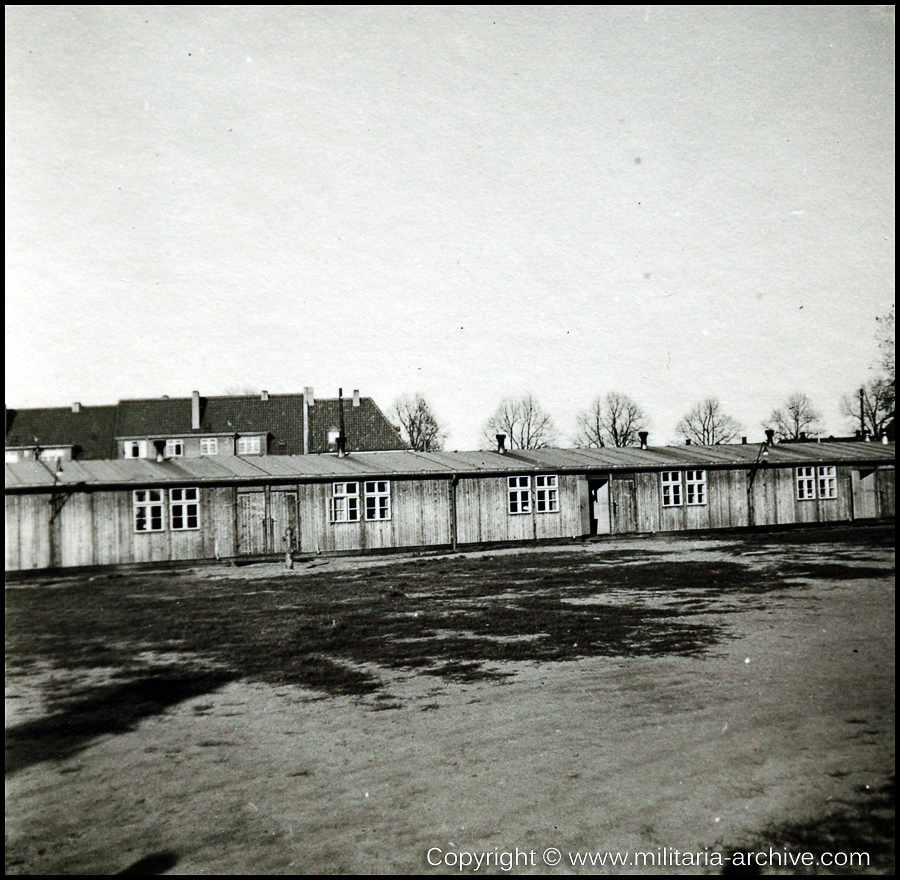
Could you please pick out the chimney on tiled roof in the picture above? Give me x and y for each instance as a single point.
(308, 401)
(643, 435)
(342, 436)
(687, 441)
(263, 395)
(76, 407)
(501, 443)
(195, 411)
(770, 437)
(356, 396)
(744, 441)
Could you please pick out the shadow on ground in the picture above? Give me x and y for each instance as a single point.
(109, 709)
(864, 826)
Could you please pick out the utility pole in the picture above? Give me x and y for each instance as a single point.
(862, 413)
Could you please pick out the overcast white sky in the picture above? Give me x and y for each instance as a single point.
(470, 202)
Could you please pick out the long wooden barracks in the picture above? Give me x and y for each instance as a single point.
(110, 512)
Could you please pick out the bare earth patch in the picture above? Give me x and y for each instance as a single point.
(696, 694)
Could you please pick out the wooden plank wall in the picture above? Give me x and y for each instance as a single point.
(483, 516)
(887, 491)
(420, 516)
(96, 528)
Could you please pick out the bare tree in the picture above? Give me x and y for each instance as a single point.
(871, 408)
(614, 420)
(795, 417)
(419, 426)
(886, 346)
(523, 421)
(708, 424)
(886, 380)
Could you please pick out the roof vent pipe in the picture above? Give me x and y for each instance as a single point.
(501, 443)
(770, 437)
(195, 411)
(643, 435)
(356, 397)
(76, 407)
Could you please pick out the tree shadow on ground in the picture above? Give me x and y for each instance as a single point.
(107, 709)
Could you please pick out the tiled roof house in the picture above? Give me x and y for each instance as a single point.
(263, 424)
(75, 432)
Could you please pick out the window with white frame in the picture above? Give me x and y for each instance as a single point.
(806, 483)
(184, 509)
(826, 478)
(816, 482)
(519, 494)
(209, 446)
(378, 499)
(546, 494)
(695, 487)
(345, 502)
(174, 448)
(249, 445)
(148, 510)
(671, 489)
(135, 449)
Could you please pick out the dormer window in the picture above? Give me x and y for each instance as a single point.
(174, 448)
(249, 446)
(135, 449)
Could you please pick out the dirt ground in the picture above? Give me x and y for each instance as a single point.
(695, 694)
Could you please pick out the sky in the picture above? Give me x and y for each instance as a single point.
(470, 202)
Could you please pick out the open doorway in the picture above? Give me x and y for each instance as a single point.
(598, 498)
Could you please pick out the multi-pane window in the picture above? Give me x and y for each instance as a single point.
(248, 446)
(209, 446)
(816, 482)
(345, 502)
(827, 481)
(148, 510)
(184, 509)
(806, 483)
(671, 489)
(378, 499)
(546, 494)
(135, 449)
(174, 448)
(695, 487)
(519, 494)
